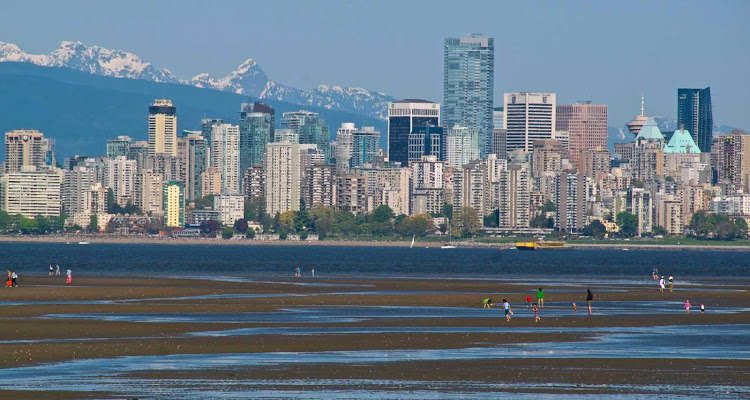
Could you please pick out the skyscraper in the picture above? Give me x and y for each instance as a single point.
(364, 146)
(162, 128)
(695, 116)
(344, 143)
(196, 162)
(119, 147)
(528, 117)
(461, 146)
(282, 177)
(256, 130)
(23, 147)
(403, 117)
(468, 85)
(310, 127)
(174, 204)
(425, 141)
(225, 156)
(586, 125)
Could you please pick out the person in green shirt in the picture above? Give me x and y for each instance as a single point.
(487, 303)
(540, 297)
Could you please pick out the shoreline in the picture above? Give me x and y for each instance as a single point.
(73, 240)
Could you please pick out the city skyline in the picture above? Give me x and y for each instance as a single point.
(612, 67)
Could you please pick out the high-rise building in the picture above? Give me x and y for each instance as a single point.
(207, 127)
(461, 146)
(120, 175)
(210, 182)
(642, 206)
(498, 118)
(49, 146)
(730, 158)
(403, 117)
(231, 207)
(528, 117)
(695, 115)
(119, 147)
(427, 186)
(138, 152)
(586, 125)
(256, 130)
(254, 182)
(149, 192)
(570, 195)
(351, 193)
(344, 144)
(499, 142)
(23, 147)
(76, 183)
(594, 163)
(282, 177)
(364, 146)
(319, 185)
(547, 157)
(174, 204)
(468, 86)
(225, 156)
(310, 128)
(514, 197)
(469, 183)
(162, 128)
(31, 192)
(196, 162)
(425, 141)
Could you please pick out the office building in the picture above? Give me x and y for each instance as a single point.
(256, 131)
(31, 192)
(364, 146)
(162, 128)
(403, 117)
(461, 146)
(48, 147)
(586, 125)
(425, 141)
(282, 177)
(468, 86)
(23, 147)
(695, 115)
(498, 120)
(528, 117)
(174, 204)
(225, 156)
(196, 162)
(309, 127)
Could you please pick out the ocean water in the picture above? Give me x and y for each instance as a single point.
(203, 260)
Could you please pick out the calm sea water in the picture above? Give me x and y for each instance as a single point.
(335, 261)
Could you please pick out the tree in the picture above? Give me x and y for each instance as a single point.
(725, 229)
(416, 225)
(240, 225)
(493, 219)
(4, 220)
(111, 203)
(595, 229)
(344, 221)
(255, 208)
(382, 213)
(541, 221)
(301, 220)
(447, 210)
(283, 233)
(210, 226)
(741, 226)
(548, 207)
(227, 233)
(628, 223)
(443, 228)
(42, 225)
(701, 224)
(465, 222)
(286, 220)
(321, 219)
(251, 233)
(94, 223)
(659, 230)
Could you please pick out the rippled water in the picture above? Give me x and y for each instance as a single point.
(215, 260)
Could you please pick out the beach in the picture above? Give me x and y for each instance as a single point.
(312, 335)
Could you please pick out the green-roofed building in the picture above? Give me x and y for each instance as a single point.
(681, 143)
(650, 132)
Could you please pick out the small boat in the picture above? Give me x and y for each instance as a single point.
(449, 245)
(539, 245)
(412, 242)
(83, 242)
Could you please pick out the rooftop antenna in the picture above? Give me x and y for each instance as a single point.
(642, 98)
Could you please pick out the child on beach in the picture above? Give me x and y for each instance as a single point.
(687, 306)
(536, 312)
(57, 269)
(540, 297)
(703, 308)
(70, 277)
(575, 307)
(13, 277)
(508, 311)
(528, 300)
(487, 303)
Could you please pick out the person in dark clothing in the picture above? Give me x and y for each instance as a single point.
(589, 298)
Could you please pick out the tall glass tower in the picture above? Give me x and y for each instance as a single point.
(310, 127)
(694, 115)
(256, 131)
(468, 86)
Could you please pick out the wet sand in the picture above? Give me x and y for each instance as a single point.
(37, 328)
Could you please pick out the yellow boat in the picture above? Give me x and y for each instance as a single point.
(539, 245)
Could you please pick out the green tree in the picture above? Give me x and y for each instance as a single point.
(382, 213)
(240, 225)
(416, 225)
(255, 208)
(741, 226)
(448, 210)
(344, 221)
(227, 233)
(301, 220)
(548, 207)
(42, 224)
(286, 220)
(493, 219)
(112, 206)
(4, 220)
(541, 221)
(94, 223)
(627, 222)
(210, 226)
(283, 233)
(465, 222)
(659, 230)
(321, 219)
(725, 229)
(595, 229)
(251, 233)
(701, 223)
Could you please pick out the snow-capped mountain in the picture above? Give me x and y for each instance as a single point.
(248, 79)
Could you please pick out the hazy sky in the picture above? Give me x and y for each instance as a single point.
(605, 51)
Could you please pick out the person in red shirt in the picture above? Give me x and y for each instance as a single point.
(528, 300)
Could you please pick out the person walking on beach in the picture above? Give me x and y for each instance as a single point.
(13, 278)
(661, 284)
(655, 273)
(528, 300)
(50, 270)
(57, 269)
(671, 283)
(540, 297)
(536, 312)
(575, 308)
(69, 273)
(312, 272)
(687, 306)
(703, 308)
(487, 303)
(508, 311)
(589, 299)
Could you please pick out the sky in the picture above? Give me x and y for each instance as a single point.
(604, 51)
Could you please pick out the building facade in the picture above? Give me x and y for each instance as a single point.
(162, 128)
(282, 177)
(174, 204)
(403, 117)
(225, 156)
(23, 147)
(694, 113)
(586, 125)
(528, 117)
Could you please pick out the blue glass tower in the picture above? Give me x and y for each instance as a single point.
(468, 86)
(694, 115)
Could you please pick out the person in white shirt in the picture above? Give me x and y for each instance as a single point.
(661, 284)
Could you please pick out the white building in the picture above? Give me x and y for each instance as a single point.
(514, 197)
(162, 128)
(282, 177)
(225, 156)
(75, 185)
(642, 206)
(31, 192)
(344, 144)
(427, 188)
(231, 207)
(120, 176)
(461, 146)
(149, 193)
(528, 117)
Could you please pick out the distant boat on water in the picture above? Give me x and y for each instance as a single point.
(539, 245)
(83, 242)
